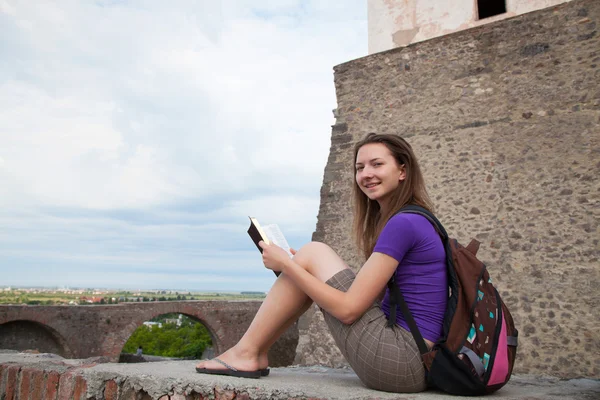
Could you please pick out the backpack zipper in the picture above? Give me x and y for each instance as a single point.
(472, 309)
(488, 371)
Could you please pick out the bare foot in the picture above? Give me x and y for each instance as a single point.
(237, 358)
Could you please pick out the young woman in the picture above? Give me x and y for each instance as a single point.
(387, 177)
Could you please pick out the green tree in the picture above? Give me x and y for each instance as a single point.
(188, 340)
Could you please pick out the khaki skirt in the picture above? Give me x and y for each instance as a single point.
(384, 358)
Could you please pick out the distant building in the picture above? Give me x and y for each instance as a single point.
(176, 321)
(150, 324)
(398, 23)
(91, 300)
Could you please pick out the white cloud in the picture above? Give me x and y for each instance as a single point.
(189, 116)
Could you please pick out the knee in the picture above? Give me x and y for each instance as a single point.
(309, 252)
(312, 248)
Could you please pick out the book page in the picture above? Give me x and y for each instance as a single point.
(276, 236)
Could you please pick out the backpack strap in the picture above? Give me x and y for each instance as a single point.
(452, 278)
(396, 298)
(412, 209)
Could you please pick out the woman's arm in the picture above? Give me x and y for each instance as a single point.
(365, 290)
(345, 306)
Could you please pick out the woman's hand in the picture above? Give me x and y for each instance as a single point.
(274, 257)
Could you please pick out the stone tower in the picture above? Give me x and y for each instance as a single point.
(505, 120)
(397, 23)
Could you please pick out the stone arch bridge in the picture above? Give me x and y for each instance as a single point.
(103, 330)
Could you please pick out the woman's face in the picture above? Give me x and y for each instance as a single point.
(378, 174)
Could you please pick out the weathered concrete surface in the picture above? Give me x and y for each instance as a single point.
(102, 331)
(24, 376)
(505, 119)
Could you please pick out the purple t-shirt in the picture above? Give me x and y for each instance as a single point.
(421, 274)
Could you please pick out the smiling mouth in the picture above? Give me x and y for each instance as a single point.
(371, 185)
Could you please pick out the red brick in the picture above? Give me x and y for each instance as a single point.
(3, 373)
(52, 380)
(111, 390)
(130, 393)
(242, 396)
(222, 394)
(195, 396)
(127, 393)
(37, 382)
(66, 385)
(80, 391)
(11, 382)
(24, 385)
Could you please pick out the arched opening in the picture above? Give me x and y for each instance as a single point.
(169, 336)
(28, 335)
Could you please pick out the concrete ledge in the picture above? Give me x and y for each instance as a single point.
(46, 376)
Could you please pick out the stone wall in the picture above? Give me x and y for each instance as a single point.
(505, 119)
(48, 377)
(25, 335)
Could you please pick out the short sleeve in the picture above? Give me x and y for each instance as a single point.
(397, 237)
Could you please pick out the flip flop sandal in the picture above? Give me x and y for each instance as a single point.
(230, 371)
(264, 372)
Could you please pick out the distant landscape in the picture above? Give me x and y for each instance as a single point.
(167, 335)
(91, 296)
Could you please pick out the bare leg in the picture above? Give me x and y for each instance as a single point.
(263, 356)
(282, 306)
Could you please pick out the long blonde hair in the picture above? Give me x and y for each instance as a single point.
(368, 220)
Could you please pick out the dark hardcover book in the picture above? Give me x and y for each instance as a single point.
(268, 234)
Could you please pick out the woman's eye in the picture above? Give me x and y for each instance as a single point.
(359, 168)
(378, 164)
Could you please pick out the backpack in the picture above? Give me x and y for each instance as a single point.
(477, 350)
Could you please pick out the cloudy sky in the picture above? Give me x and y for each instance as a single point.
(137, 136)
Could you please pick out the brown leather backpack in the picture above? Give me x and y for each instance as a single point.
(477, 351)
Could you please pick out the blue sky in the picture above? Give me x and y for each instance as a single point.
(137, 136)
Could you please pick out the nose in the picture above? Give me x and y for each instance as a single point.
(366, 172)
